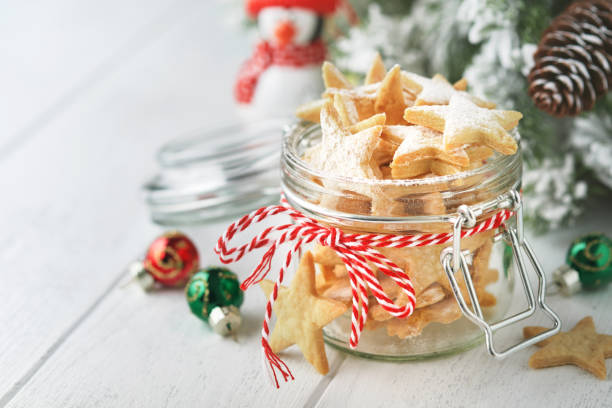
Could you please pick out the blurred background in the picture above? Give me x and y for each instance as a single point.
(151, 88)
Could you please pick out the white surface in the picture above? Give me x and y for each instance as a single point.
(81, 119)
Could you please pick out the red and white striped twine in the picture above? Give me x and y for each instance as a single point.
(356, 250)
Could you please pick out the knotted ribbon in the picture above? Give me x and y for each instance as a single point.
(357, 251)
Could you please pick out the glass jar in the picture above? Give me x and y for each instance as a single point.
(443, 321)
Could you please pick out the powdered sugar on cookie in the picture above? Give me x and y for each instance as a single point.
(402, 125)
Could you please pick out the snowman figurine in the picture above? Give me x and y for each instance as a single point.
(285, 69)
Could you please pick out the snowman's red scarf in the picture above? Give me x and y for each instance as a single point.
(266, 55)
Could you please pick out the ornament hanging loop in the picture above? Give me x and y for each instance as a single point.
(453, 260)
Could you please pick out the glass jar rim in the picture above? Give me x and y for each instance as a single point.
(498, 162)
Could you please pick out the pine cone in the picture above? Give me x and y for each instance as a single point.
(573, 62)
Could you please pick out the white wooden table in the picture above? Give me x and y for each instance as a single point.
(89, 91)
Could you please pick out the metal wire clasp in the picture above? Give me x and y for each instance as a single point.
(453, 260)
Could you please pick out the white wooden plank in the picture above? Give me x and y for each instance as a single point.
(51, 51)
(475, 379)
(178, 362)
(72, 211)
(147, 350)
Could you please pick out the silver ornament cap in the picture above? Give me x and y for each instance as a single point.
(225, 320)
(140, 275)
(567, 279)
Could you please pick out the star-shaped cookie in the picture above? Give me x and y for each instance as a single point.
(333, 78)
(437, 90)
(377, 71)
(463, 122)
(445, 311)
(420, 149)
(363, 99)
(343, 153)
(378, 85)
(581, 346)
(301, 314)
(311, 111)
(390, 97)
(376, 120)
(347, 111)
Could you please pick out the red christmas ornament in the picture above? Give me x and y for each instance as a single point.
(171, 259)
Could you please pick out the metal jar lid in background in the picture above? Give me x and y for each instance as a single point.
(217, 173)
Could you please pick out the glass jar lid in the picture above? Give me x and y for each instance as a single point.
(216, 173)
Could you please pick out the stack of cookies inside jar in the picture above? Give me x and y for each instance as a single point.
(420, 147)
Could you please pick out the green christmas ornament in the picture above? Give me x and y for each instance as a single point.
(588, 264)
(214, 295)
(591, 256)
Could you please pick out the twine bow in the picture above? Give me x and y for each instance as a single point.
(357, 251)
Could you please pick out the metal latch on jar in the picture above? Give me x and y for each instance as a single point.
(453, 260)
